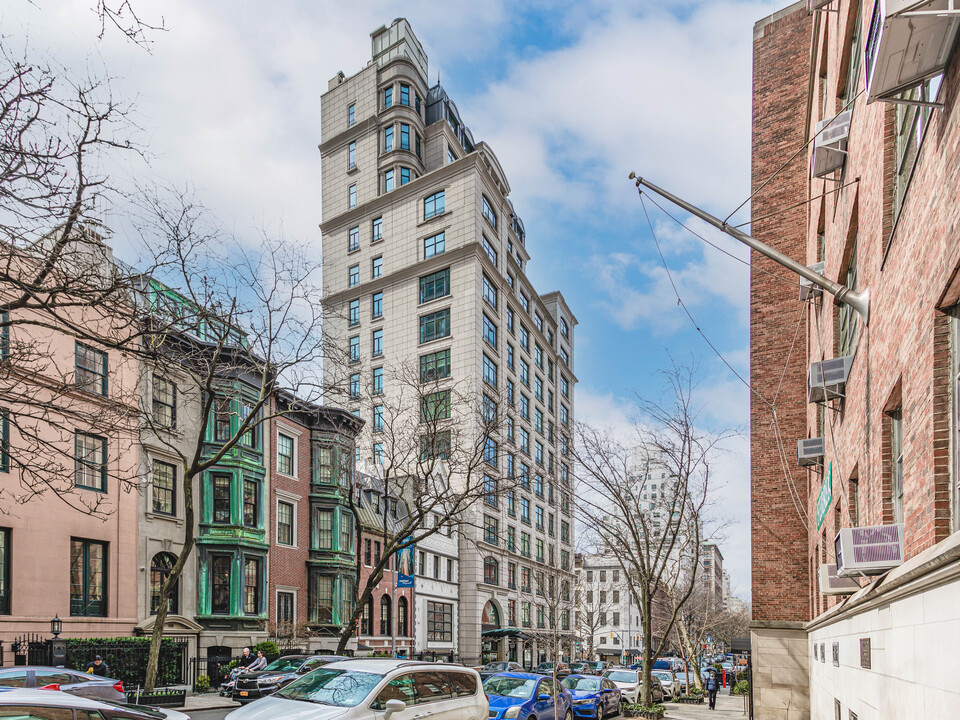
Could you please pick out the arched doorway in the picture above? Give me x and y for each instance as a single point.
(491, 621)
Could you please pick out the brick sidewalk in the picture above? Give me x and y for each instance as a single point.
(729, 707)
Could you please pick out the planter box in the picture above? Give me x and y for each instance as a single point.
(690, 700)
(158, 699)
(644, 714)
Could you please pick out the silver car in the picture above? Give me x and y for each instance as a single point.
(70, 681)
(53, 705)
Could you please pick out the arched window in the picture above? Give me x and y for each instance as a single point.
(491, 571)
(160, 568)
(366, 619)
(385, 608)
(402, 616)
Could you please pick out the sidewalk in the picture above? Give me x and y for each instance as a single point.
(729, 707)
(207, 701)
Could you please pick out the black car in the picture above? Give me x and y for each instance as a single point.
(254, 685)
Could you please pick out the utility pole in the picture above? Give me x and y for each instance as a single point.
(859, 301)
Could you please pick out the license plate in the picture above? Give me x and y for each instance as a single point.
(243, 693)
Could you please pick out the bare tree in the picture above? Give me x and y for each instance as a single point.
(654, 534)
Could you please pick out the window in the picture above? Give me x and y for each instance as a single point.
(853, 59)
(491, 571)
(524, 337)
(378, 381)
(355, 349)
(539, 518)
(435, 325)
(321, 598)
(377, 339)
(488, 212)
(284, 523)
(352, 197)
(353, 242)
(510, 356)
(435, 406)
(222, 491)
(510, 319)
(847, 318)
(435, 285)
(564, 415)
(404, 175)
(388, 139)
(353, 318)
(404, 136)
(433, 205)
(910, 130)
(378, 418)
(524, 510)
(376, 269)
(90, 462)
(490, 491)
(164, 488)
(896, 464)
(388, 181)
(435, 366)
(251, 586)
(402, 617)
(525, 373)
(524, 407)
(285, 610)
(563, 357)
(563, 328)
(564, 386)
(524, 302)
(251, 436)
(489, 409)
(351, 114)
(346, 533)
(491, 531)
(489, 332)
(439, 622)
(564, 531)
(489, 250)
(352, 159)
(160, 567)
(539, 546)
(324, 529)
(490, 451)
(435, 445)
(5, 571)
(377, 234)
(433, 245)
(489, 371)
(510, 393)
(88, 578)
(251, 502)
(386, 626)
(489, 291)
(90, 369)
(377, 306)
(164, 409)
(353, 276)
(538, 420)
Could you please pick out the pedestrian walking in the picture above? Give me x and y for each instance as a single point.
(98, 667)
(713, 685)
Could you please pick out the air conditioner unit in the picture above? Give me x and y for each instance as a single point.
(908, 42)
(868, 550)
(808, 290)
(813, 5)
(830, 144)
(828, 379)
(833, 584)
(810, 451)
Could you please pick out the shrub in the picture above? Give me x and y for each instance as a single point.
(126, 658)
(202, 684)
(741, 688)
(269, 648)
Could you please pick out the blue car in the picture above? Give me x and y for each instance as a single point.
(593, 696)
(526, 696)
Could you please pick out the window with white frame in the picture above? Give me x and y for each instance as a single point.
(286, 455)
(286, 523)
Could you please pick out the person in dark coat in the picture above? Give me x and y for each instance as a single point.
(713, 685)
(98, 667)
(246, 659)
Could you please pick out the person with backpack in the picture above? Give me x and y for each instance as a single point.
(713, 685)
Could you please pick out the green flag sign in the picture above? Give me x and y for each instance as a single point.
(825, 497)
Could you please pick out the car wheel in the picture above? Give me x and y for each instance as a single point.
(568, 715)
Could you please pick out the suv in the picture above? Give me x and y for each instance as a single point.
(393, 689)
(254, 685)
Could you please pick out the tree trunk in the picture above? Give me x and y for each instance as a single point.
(645, 619)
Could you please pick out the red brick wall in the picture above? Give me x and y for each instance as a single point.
(385, 586)
(779, 540)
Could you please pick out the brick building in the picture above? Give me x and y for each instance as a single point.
(877, 206)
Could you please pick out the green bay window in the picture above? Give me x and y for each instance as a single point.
(325, 464)
(321, 599)
(251, 503)
(323, 524)
(251, 586)
(221, 498)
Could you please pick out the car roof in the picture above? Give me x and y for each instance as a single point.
(382, 666)
(48, 668)
(523, 675)
(584, 675)
(31, 696)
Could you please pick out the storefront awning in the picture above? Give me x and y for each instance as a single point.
(504, 632)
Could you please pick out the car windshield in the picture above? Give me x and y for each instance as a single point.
(582, 684)
(624, 676)
(343, 688)
(663, 675)
(509, 687)
(495, 666)
(285, 664)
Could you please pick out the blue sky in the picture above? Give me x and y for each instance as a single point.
(571, 96)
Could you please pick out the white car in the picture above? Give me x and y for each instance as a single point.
(376, 689)
(667, 682)
(30, 704)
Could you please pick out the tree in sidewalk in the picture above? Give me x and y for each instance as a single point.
(654, 534)
(435, 447)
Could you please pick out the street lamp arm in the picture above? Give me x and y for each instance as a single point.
(859, 301)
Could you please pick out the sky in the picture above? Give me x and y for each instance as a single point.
(572, 97)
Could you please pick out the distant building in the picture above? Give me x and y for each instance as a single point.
(437, 597)
(711, 567)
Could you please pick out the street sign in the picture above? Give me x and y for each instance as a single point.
(825, 497)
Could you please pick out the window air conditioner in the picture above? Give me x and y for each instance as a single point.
(868, 550)
(808, 290)
(908, 42)
(828, 379)
(810, 451)
(832, 584)
(830, 144)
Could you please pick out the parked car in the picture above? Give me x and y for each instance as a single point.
(527, 696)
(668, 682)
(394, 689)
(593, 696)
(579, 667)
(74, 682)
(37, 704)
(630, 684)
(546, 668)
(500, 666)
(254, 685)
(597, 666)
